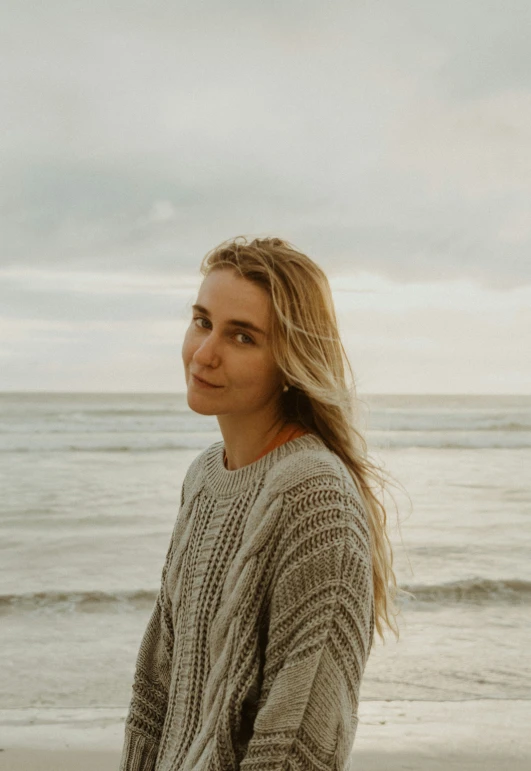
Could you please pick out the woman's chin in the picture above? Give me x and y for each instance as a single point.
(199, 405)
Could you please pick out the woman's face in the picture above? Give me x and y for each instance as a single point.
(236, 359)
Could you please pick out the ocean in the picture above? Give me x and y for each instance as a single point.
(90, 485)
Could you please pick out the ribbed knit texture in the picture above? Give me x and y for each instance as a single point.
(254, 653)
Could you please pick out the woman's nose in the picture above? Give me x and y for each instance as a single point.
(207, 352)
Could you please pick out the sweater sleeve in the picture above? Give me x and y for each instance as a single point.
(319, 637)
(147, 709)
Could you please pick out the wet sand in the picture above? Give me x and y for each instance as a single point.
(92, 760)
(486, 734)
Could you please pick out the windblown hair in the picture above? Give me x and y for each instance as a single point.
(306, 346)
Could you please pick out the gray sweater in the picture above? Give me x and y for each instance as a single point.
(253, 656)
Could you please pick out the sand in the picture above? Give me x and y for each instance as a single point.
(91, 760)
(486, 734)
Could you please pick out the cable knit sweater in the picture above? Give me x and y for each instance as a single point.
(254, 653)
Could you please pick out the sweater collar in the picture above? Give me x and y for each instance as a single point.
(227, 483)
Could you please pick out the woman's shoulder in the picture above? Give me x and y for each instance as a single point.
(313, 464)
(316, 477)
(195, 467)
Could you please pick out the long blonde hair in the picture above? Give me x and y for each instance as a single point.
(306, 345)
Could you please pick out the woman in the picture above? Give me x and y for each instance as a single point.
(279, 566)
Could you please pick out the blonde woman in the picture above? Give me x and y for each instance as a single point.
(279, 568)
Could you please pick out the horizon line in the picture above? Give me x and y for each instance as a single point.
(183, 393)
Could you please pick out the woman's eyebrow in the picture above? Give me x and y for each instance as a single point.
(232, 322)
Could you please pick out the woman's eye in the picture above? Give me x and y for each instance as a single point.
(249, 340)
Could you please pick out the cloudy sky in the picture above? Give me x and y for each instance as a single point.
(390, 141)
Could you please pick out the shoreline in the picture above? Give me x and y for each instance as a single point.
(486, 734)
(377, 760)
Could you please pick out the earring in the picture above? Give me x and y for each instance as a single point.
(286, 387)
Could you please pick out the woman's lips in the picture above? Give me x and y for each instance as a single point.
(203, 384)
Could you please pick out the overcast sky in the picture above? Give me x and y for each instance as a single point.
(390, 141)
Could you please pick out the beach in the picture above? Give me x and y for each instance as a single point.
(69, 760)
(489, 734)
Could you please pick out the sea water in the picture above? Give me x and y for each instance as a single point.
(90, 487)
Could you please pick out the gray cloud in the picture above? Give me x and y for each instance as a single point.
(391, 137)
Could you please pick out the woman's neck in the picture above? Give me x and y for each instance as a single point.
(244, 439)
